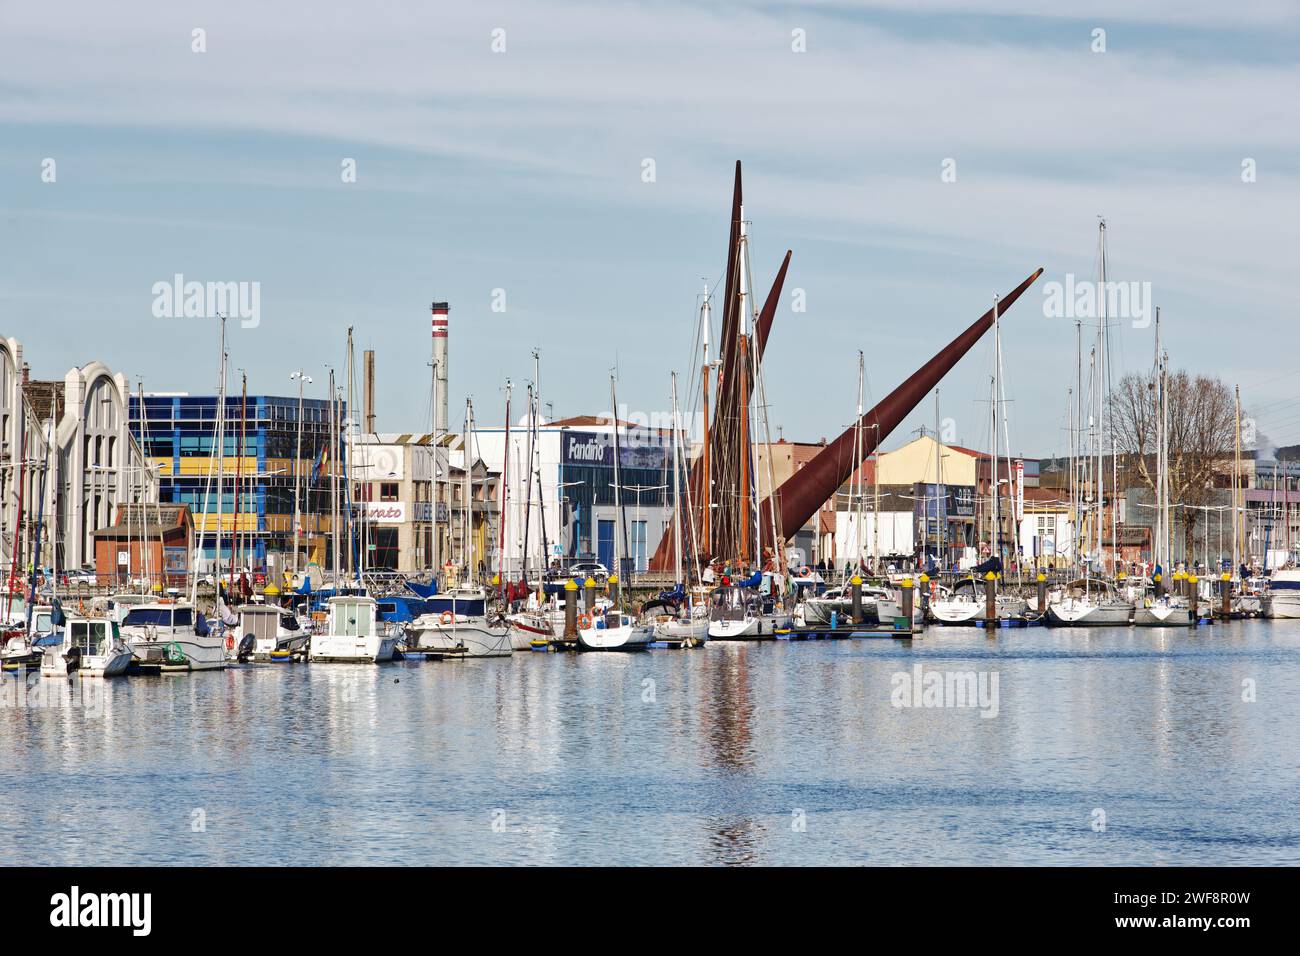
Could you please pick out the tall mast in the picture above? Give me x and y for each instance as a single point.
(677, 491)
(467, 512)
(221, 451)
(505, 498)
(618, 481)
(707, 483)
(939, 536)
(1101, 398)
(997, 364)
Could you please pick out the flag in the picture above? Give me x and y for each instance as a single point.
(319, 467)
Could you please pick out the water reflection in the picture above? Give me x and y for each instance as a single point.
(697, 757)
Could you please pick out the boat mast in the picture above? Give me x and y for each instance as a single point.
(997, 517)
(467, 512)
(618, 481)
(677, 491)
(939, 537)
(505, 498)
(221, 454)
(1101, 398)
(707, 483)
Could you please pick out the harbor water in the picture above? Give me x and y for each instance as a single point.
(1110, 746)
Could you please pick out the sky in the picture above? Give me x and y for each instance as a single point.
(917, 160)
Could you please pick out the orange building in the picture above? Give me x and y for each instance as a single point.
(148, 541)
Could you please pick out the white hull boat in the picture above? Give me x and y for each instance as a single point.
(353, 634)
(1163, 612)
(613, 631)
(91, 647)
(460, 634)
(1084, 612)
(1282, 600)
(162, 636)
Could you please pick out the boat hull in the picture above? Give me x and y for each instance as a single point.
(761, 628)
(1083, 614)
(351, 649)
(468, 638)
(196, 653)
(627, 637)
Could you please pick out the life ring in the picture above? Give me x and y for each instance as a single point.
(230, 642)
(805, 572)
(584, 622)
(447, 617)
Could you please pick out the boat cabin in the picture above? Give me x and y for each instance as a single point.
(160, 616)
(352, 616)
(92, 636)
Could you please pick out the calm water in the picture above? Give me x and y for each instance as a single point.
(563, 758)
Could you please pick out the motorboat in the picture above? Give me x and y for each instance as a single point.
(172, 636)
(269, 633)
(85, 646)
(465, 634)
(353, 633)
(1282, 599)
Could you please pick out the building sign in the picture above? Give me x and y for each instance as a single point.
(175, 561)
(637, 449)
(1020, 489)
(384, 512)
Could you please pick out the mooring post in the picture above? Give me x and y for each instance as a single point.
(855, 583)
(613, 591)
(1225, 585)
(570, 609)
(1160, 584)
(1193, 598)
(1042, 593)
(990, 599)
(589, 595)
(906, 587)
(925, 596)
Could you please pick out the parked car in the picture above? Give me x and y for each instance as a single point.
(589, 569)
(84, 576)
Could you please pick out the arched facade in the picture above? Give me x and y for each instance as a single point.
(100, 461)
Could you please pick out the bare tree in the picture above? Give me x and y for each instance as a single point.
(1202, 427)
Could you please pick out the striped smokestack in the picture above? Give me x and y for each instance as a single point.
(440, 311)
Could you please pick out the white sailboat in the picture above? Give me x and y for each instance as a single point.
(614, 629)
(463, 620)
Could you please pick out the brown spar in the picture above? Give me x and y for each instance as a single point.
(764, 324)
(663, 557)
(812, 486)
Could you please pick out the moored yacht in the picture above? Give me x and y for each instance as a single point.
(353, 634)
(469, 635)
(273, 633)
(1090, 603)
(88, 646)
(172, 636)
(1282, 599)
(743, 614)
(613, 630)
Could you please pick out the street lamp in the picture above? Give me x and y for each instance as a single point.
(302, 378)
(637, 520)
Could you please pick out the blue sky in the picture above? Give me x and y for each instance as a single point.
(521, 170)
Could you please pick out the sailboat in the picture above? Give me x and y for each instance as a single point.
(687, 622)
(1092, 601)
(1158, 607)
(18, 639)
(462, 620)
(613, 629)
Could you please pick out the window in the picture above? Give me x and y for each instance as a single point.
(388, 491)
